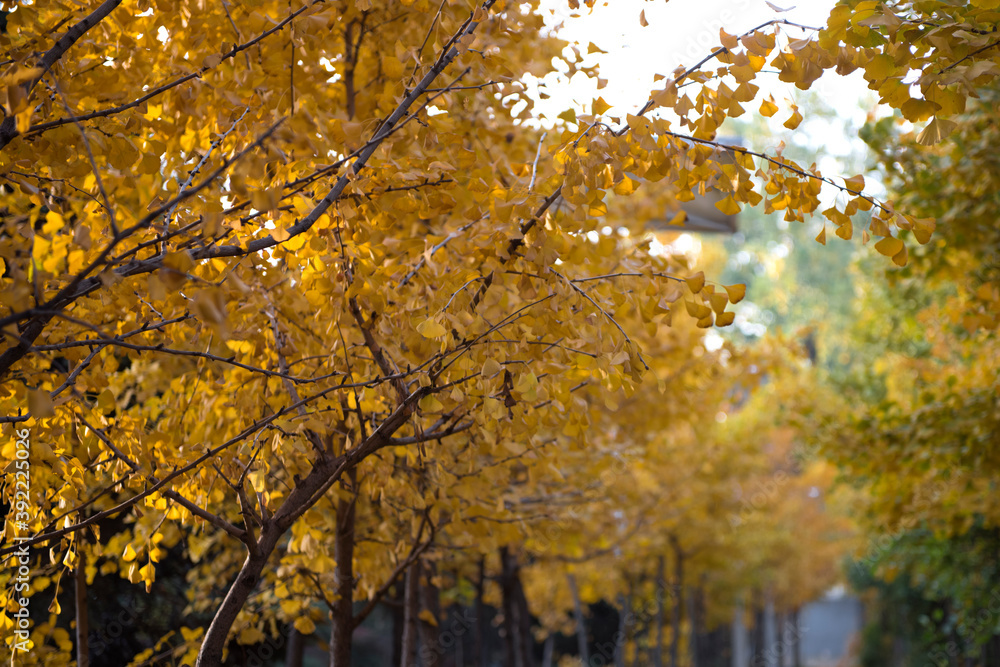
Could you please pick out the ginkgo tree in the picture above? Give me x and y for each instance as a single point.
(256, 257)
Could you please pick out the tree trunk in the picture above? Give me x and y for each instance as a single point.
(82, 621)
(692, 613)
(430, 646)
(479, 650)
(302, 497)
(212, 646)
(550, 642)
(513, 610)
(779, 645)
(660, 590)
(624, 605)
(757, 633)
(342, 626)
(411, 609)
(796, 639)
(296, 647)
(524, 618)
(581, 627)
(769, 636)
(398, 620)
(741, 644)
(675, 635)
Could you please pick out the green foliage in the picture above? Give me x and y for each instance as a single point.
(931, 591)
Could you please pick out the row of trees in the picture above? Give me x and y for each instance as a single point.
(300, 293)
(918, 434)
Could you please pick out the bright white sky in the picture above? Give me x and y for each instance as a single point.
(682, 32)
(679, 32)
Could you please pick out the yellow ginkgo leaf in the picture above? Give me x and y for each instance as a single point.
(20, 75)
(736, 292)
(794, 120)
(431, 328)
(392, 67)
(698, 310)
(935, 132)
(728, 41)
(768, 107)
(249, 636)
(889, 246)
(40, 403)
(899, 259)
(855, 183)
(728, 206)
(600, 106)
(696, 282)
(490, 368)
(305, 625)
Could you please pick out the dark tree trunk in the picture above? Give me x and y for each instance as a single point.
(524, 618)
(547, 651)
(621, 639)
(398, 619)
(796, 639)
(660, 590)
(296, 647)
(779, 646)
(691, 599)
(675, 635)
(411, 609)
(430, 600)
(342, 626)
(514, 610)
(757, 633)
(479, 651)
(302, 497)
(581, 623)
(212, 646)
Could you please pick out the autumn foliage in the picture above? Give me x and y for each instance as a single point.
(307, 292)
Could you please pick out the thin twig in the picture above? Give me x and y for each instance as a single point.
(606, 314)
(93, 163)
(534, 165)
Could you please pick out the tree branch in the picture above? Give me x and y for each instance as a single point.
(8, 129)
